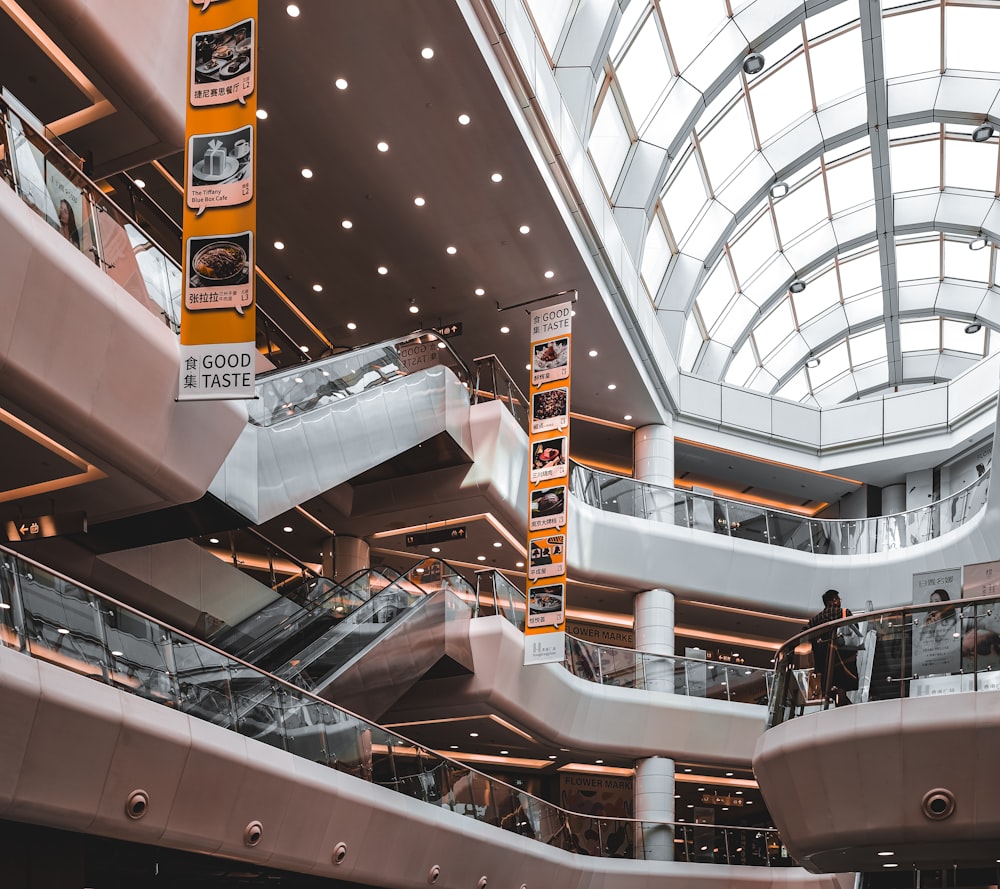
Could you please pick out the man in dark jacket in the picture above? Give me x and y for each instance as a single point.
(837, 669)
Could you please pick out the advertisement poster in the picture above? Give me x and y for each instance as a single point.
(218, 309)
(601, 796)
(548, 492)
(936, 643)
(981, 625)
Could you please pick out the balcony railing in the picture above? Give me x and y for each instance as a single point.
(914, 651)
(747, 521)
(49, 617)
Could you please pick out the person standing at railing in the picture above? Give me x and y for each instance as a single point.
(837, 668)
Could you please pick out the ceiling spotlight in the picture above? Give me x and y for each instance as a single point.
(797, 286)
(340, 83)
(435, 549)
(261, 114)
(279, 245)
(525, 229)
(612, 386)
(627, 417)
(318, 288)
(304, 348)
(753, 63)
(983, 133)
(464, 119)
(351, 325)
(382, 270)
(213, 539)
(292, 10)
(382, 146)
(419, 201)
(505, 329)
(497, 544)
(592, 353)
(479, 291)
(779, 189)
(451, 251)
(287, 529)
(414, 308)
(550, 274)
(481, 558)
(139, 183)
(812, 362)
(978, 243)
(497, 177)
(307, 173)
(521, 565)
(974, 327)
(427, 53)
(347, 224)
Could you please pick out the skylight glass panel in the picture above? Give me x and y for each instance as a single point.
(833, 362)
(781, 49)
(690, 25)
(609, 142)
(796, 388)
(832, 155)
(774, 329)
(920, 336)
(915, 165)
(912, 42)
(838, 67)
(728, 144)
(780, 99)
(800, 209)
(715, 294)
(644, 72)
(549, 16)
(954, 337)
(655, 256)
(754, 247)
(961, 262)
(740, 314)
(743, 364)
(970, 37)
(630, 18)
(685, 196)
(830, 19)
(860, 275)
(692, 343)
(851, 183)
(866, 347)
(970, 164)
(920, 259)
(822, 293)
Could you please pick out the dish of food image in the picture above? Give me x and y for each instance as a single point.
(220, 262)
(236, 66)
(543, 602)
(210, 67)
(551, 355)
(550, 503)
(546, 405)
(549, 457)
(229, 166)
(244, 46)
(223, 52)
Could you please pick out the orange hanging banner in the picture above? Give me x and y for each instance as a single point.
(218, 310)
(548, 484)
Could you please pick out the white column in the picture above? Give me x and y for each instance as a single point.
(350, 554)
(654, 777)
(653, 448)
(654, 802)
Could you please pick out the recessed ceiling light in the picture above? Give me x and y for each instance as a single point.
(729, 774)
(318, 288)
(527, 367)
(753, 63)
(797, 286)
(351, 325)
(599, 762)
(550, 274)
(451, 251)
(464, 119)
(382, 270)
(435, 549)
(287, 529)
(454, 747)
(382, 146)
(627, 417)
(505, 329)
(442, 345)
(473, 734)
(592, 353)
(687, 770)
(612, 386)
(480, 292)
(974, 327)
(497, 177)
(890, 864)
(812, 362)
(139, 183)
(292, 10)
(982, 133)
(521, 565)
(779, 190)
(427, 52)
(974, 244)
(553, 756)
(340, 83)
(414, 308)
(307, 173)
(886, 852)
(525, 229)
(304, 348)
(481, 558)
(213, 539)
(279, 245)
(497, 544)
(346, 223)
(419, 201)
(504, 752)
(261, 114)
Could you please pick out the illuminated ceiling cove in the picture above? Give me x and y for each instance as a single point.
(838, 205)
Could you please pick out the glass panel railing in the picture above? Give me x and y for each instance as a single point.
(495, 594)
(492, 382)
(51, 618)
(693, 677)
(627, 496)
(286, 393)
(906, 652)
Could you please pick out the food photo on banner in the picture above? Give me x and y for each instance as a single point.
(550, 361)
(548, 508)
(545, 605)
(549, 410)
(218, 269)
(548, 459)
(222, 67)
(221, 169)
(936, 646)
(547, 556)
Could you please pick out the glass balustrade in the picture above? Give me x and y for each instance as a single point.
(51, 618)
(491, 382)
(906, 652)
(747, 521)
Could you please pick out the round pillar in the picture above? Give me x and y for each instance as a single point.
(654, 804)
(350, 554)
(653, 452)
